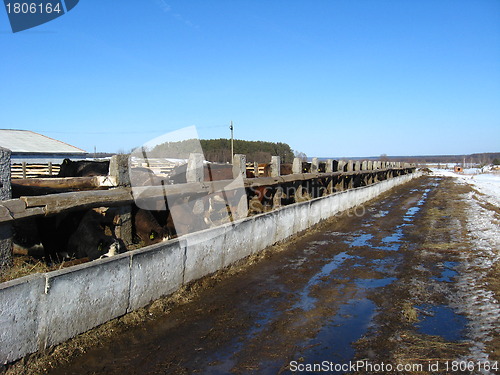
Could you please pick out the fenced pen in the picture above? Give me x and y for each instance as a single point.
(45, 309)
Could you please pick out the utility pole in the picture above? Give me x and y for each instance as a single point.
(232, 143)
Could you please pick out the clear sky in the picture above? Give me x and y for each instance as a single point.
(330, 78)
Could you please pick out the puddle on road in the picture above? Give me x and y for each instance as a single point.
(441, 320)
(375, 283)
(361, 240)
(307, 302)
(334, 340)
(448, 272)
(393, 241)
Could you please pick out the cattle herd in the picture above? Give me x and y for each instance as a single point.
(92, 233)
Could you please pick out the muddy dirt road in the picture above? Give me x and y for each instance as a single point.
(396, 282)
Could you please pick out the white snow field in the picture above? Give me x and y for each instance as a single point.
(478, 302)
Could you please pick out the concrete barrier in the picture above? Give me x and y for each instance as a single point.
(46, 309)
(20, 316)
(76, 300)
(155, 271)
(236, 244)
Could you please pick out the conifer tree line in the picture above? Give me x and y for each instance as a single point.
(219, 150)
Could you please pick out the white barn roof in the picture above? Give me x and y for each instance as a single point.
(26, 141)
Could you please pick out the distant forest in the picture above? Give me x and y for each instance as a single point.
(478, 159)
(219, 150)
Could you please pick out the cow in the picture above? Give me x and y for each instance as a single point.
(148, 229)
(211, 172)
(65, 236)
(55, 232)
(83, 168)
(285, 169)
(90, 240)
(45, 237)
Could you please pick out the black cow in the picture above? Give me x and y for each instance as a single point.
(83, 168)
(90, 240)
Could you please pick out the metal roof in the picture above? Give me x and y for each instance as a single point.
(27, 141)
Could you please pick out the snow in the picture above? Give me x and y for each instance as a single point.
(485, 183)
(477, 301)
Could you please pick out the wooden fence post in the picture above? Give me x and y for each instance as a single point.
(123, 221)
(118, 170)
(256, 169)
(340, 166)
(195, 170)
(329, 166)
(297, 166)
(240, 165)
(275, 166)
(314, 165)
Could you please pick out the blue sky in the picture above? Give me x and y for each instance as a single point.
(330, 78)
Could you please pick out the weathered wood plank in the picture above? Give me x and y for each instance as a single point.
(59, 183)
(68, 182)
(14, 205)
(5, 214)
(30, 212)
(55, 203)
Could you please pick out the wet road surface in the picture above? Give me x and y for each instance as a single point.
(365, 286)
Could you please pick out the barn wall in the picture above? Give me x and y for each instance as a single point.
(45, 309)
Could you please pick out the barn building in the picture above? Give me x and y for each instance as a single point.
(30, 147)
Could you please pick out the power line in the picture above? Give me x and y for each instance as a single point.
(124, 132)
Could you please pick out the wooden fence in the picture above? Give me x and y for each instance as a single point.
(26, 170)
(338, 175)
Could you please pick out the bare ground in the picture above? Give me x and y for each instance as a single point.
(389, 282)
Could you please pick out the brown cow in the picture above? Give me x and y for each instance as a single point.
(148, 229)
